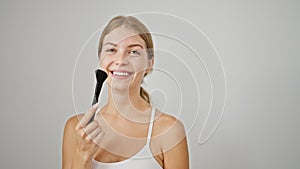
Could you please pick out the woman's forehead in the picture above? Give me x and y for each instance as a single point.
(123, 35)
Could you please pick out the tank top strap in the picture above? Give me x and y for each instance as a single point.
(151, 125)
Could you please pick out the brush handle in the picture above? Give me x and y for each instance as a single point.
(101, 77)
(97, 92)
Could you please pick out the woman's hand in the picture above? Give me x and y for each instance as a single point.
(89, 136)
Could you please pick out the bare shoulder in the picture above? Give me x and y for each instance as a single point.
(168, 131)
(165, 122)
(169, 143)
(72, 121)
(69, 141)
(69, 130)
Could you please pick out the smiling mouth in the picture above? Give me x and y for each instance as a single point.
(121, 74)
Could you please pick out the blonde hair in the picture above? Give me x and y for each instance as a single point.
(137, 26)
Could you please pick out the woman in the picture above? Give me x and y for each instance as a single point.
(127, 132)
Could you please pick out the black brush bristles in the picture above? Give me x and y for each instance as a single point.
(101, 77)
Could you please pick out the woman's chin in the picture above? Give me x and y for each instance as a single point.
(120, 88)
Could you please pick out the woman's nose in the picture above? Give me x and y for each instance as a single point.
(121, 59)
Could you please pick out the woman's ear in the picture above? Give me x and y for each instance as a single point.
(150, 65)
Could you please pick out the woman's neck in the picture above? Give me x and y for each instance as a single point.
(127, 103)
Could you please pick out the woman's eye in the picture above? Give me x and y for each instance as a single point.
(110, 50)
(134, 52)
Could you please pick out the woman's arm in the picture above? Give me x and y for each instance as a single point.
(80, 141)
(71, 157)
(177, 157)
(171, 137)
(69, 143)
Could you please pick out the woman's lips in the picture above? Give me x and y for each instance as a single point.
(121, 74)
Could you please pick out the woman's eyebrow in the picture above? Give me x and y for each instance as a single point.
(135, 44)
(110, 43)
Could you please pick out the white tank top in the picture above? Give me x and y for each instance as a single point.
(143, 159)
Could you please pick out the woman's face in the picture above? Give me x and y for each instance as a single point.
(124, 58)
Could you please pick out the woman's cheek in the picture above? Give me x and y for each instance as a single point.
(104, 63)
(140, 65)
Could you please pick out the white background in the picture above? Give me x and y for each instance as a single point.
(258, 42)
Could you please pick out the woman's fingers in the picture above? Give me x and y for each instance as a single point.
(89, 135)
(87, 116)
(91, 127)
(98, 138)
(94, 134)
(91, 131)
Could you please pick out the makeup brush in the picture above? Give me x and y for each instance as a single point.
(101, 77)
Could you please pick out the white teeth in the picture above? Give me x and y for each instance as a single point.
(121, 73)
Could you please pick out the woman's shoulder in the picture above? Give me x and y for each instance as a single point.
(168, 131)
(168, 126)
(165, 121)
(72, 121)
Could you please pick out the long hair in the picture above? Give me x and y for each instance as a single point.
(137, 26)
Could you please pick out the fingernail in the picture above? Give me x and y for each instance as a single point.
(95, 105)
